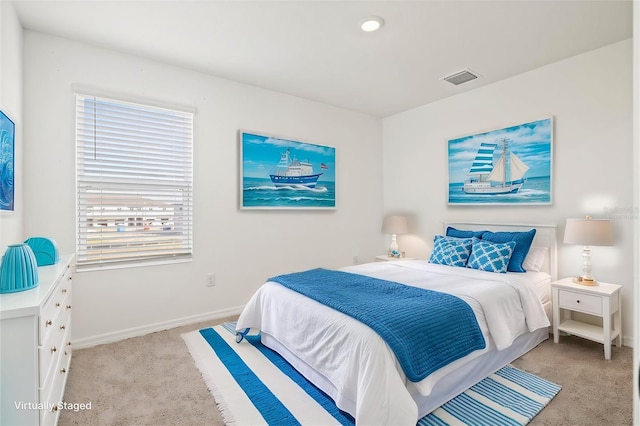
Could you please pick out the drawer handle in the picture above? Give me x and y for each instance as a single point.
(53, 349)
(62, 327)
(63, 370)
(69, 278)
(48, 323)
(54, 408)
(69, 343)
(64, 290)
(68, 306)
(578, 301)
(57, 304)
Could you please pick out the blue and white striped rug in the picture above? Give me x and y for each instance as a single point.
(253, 385)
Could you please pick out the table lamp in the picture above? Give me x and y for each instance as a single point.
(588, 232)
(394, 225)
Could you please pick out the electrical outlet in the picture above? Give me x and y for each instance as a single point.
(356, 260)
(211, 280)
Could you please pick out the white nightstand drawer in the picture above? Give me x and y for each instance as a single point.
(580, 302)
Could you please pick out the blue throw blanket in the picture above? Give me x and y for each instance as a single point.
(425, 329)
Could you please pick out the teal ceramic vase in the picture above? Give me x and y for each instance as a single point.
(19, 269)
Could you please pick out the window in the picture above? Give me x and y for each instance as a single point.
(134, 183)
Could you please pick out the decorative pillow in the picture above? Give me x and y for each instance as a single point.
(459, 233)
(523, 244)
(491, 257)
(535, 259)
(451, 251)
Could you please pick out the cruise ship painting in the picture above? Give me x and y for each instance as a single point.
(505, 177)
(293, 172)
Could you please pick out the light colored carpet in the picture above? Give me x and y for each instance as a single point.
(153, 380)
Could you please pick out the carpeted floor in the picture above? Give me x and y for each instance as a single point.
(152, 380)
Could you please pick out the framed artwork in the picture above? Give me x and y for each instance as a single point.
(7, 162)
(506, 166)
(277, 173)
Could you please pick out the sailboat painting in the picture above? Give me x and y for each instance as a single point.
(506, 166)
(279, 173)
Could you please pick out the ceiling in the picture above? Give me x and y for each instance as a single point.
(315, 49)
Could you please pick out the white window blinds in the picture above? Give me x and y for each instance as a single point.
(134, 182)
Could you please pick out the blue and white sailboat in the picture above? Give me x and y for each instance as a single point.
(292, 172)
(505, 177)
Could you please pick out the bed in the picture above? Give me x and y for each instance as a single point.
(354, 365)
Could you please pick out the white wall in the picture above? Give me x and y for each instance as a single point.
(590, 98)
(243, 248)
(11, 223)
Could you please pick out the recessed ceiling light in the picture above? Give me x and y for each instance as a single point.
(371, 23)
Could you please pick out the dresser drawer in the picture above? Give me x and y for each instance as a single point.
(52, 395)
(580, 302)
(49, 315)
(49, 416)
(47, 357)
(54, 305)
(58, 308)
(65, 332)
(57, 339)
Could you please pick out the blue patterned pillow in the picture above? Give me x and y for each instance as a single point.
(491, 257)
(451, 251)
(523, 242)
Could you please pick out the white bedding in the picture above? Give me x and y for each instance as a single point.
(364, 375)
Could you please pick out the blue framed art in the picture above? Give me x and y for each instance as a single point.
(507, 166)
(7, 162)
(279, 173)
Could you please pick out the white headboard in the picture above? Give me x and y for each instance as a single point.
(545, 237)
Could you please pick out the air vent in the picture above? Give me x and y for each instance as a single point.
(460, 77)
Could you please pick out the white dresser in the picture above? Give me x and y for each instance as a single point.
(35, 337)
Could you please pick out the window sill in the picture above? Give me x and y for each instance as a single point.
(132, 264)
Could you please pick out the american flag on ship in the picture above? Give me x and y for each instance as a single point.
(323, 166)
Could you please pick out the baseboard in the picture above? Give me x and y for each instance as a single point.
(116, 336)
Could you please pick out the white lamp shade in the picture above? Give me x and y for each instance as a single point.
(395, 225)
(588, 232)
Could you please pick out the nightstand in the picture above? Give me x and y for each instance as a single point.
(602, 300)
(386, 258)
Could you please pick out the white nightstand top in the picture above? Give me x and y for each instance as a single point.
(386, 258)
(601, 288)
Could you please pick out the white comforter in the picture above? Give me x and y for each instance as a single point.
(365, 376)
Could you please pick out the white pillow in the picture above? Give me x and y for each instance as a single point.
(535, 259)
